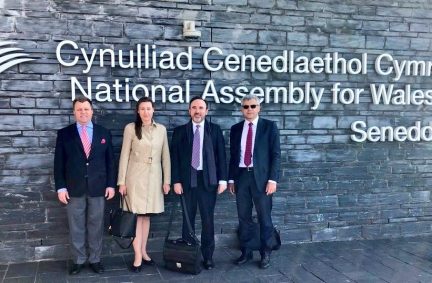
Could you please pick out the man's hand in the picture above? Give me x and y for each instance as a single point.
(63, 197)
(122, 190)
(221, 188)
(270, 188)
(178, 189)
(231, 188)
(166, 188)
(109, 193)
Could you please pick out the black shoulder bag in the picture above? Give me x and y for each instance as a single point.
(254, 243)
(123, 224)
(181, 255)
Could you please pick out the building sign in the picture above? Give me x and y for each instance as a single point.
(214, 59)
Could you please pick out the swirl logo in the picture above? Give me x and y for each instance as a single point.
(11, 56)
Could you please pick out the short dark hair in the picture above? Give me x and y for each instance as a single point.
(196, 98)
(81, 100)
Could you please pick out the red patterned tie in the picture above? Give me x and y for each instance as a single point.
(248, 150)
(85, 140)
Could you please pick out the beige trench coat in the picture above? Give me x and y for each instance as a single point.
(141, 165)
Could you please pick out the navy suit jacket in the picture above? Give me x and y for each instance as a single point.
(181, 154)
(266, 154)
(76, 173)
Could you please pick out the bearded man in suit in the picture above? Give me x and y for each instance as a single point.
(198, 171)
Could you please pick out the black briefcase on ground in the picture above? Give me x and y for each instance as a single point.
(181, 255)
(255, 242)
(123, 225)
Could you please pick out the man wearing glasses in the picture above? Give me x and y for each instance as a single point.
(253, 175)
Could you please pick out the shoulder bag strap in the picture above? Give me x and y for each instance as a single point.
(115, 239)
(184, 208)
(173, 208)
(185, 212)
(121, 203)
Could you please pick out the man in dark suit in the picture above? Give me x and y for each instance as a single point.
(198, 170)
(253, 175)
(84, 175)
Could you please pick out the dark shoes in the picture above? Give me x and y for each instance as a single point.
(97, 267)
(148, 262)
(135, 269)
(76, 268)
(265, 260)
(208, 264)
(245, 257)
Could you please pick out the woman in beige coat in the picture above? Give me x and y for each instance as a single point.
(144, 164)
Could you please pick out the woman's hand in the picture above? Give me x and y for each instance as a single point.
(166, 188)
(123, 190)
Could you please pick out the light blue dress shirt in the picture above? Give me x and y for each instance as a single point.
(89, 129)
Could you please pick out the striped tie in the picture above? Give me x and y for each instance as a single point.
(85, 140)
(248, 150)
(196, 151)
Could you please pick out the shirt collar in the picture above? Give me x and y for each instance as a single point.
(254, 121)
(89, 125)
(201, 124)
(153, 123)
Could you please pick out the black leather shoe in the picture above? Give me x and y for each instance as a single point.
(265, 261)
(76, 268)
(148, 262)
(97, 267)
(245, 257)
(135, 269)
(208, 264)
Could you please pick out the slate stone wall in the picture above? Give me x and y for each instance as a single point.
(331, 188)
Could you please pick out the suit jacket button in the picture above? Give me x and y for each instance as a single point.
(87, 164)
(85, 176)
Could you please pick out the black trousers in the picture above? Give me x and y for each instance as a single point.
(247, 195)
(204, 200)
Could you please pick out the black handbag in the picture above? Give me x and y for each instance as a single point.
(123, 225)
(254, 243)
(182, 255)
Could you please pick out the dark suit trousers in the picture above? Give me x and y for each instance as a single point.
(248, 194)
(205, 201)
(86, 217)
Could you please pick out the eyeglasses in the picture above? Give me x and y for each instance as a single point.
(253, 106)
